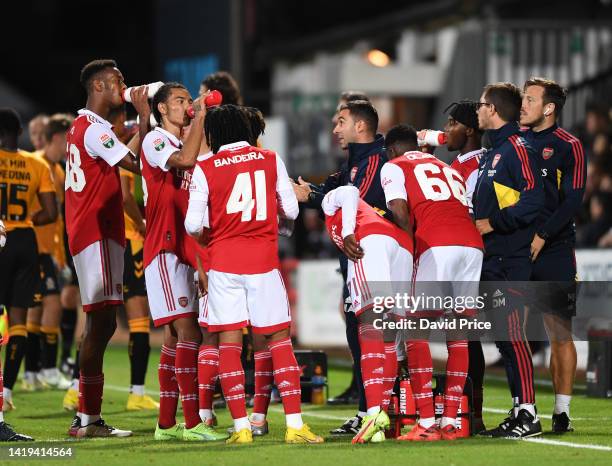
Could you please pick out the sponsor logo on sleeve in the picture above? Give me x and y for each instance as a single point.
(159, 144)
(107, 141)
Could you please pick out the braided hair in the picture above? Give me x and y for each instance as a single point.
(256, 122)
(226, 124)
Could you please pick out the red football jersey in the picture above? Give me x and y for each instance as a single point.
(467, 166)
(94, 203)
(242, 209)
(368, 222)
(167, 196)
(436, 198)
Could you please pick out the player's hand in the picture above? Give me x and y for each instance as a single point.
(536, 246)
(2, 236)
(301, 189)
(199, 106)
(484, 226)
(140, 101)
(352, 249)
(141, 229)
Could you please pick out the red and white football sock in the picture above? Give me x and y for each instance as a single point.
(420, 368)
(372, 365)
(168, 388)
(186, 370)
(264, 379)
(231, 376)
(389, 374)
(456, 372)
(90, 397)
(287, 380)
(208, 370)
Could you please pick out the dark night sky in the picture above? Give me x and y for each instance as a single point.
(44, 43)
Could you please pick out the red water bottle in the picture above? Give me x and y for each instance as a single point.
(463, 418)
(212, 100)
(407, 407)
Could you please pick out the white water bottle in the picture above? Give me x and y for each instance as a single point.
(431, 138)
(151, 90)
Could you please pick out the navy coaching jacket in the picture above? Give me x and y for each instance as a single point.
(563, 169)
(509, 193)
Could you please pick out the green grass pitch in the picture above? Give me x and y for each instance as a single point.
(40, 415)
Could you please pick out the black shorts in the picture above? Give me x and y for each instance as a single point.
(133, 270)
(49, 283)
(19, 269)
(555, 273)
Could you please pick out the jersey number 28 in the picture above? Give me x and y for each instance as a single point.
(75, 176)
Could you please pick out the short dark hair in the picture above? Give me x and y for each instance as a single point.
(225, 83)
(362, 110)
(506, 98)
(10, 122)
(553, 92)
(226, 124)
(257, 123)
(92, 68)
(161, 96)
(403, 134)
(58, 123)
(351, 96)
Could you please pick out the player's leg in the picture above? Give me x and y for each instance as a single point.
(21, 270)
(7, 434)
(100, 270)
(264, 380)
(31, 380)
(563, 361)
(167, 428)
(270, 315)
(208, 373)
(137, 312)
(70, 299)
(464, 263)
(50, 328)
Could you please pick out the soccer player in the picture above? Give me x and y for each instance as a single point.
(464, 135)
(96, 232)
(563, 169)
(225, 83)
(508, 200)
(44, 319)
(36, 130)
(423, 191)
(23, 177)
(380, 255)
(239, 192)
(169, 258)
(355, 125)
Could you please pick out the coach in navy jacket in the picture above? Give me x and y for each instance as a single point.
(356, 126)
(507, 201)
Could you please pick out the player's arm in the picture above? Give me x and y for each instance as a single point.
(393, 182)
(140, 102)
(48, 212)
(345, 198)
(285, 196)
(186, 157)
(46, 197)
(524, 169)
(573, 180)
(196, 220)
(130, 206)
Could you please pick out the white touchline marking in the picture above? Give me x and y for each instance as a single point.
(311, 414)
(567, 444)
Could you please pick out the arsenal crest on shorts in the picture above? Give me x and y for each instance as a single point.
(119, 287)
(353, 173)
(495, 160)
(547, 152)
(183, 301)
